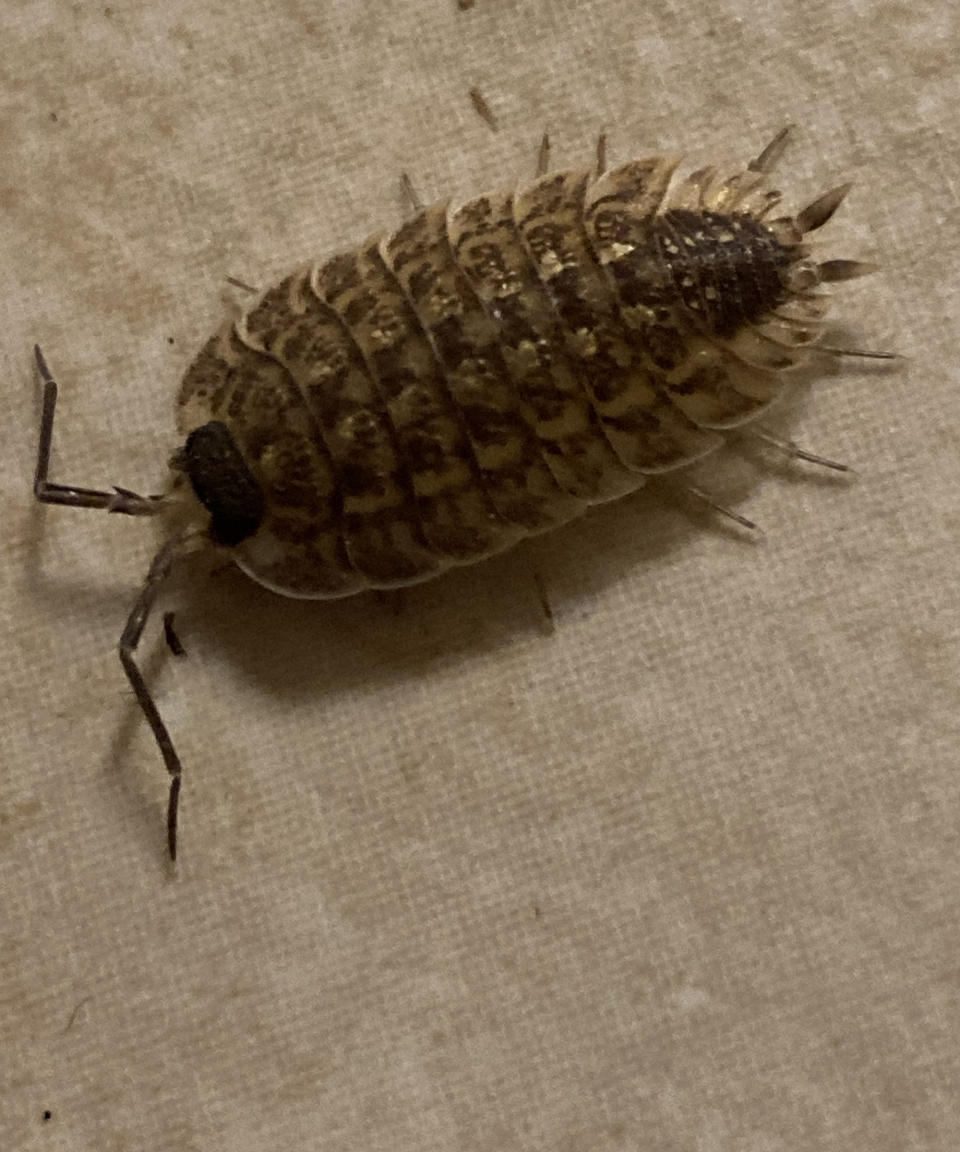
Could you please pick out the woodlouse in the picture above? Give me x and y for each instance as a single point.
(480, 374)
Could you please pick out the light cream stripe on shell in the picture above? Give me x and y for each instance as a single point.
(381, 530)
(455, 511)
(490, 251)
(298, 546)
(466, 342)
(644, 429)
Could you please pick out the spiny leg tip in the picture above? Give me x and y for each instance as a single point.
(41, 364)
(860, 353)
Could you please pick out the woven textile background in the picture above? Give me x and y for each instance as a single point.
(682, 872)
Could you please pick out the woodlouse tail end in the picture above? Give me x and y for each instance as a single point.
(819, 211)
(833, 271)
(770, 156)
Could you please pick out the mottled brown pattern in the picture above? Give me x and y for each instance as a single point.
(466, 342)
(439, 392)
(456, 514)
(269, 420)
(620, 207)
(490, 251)
(725, 268)
(380, 527)
(624, 390)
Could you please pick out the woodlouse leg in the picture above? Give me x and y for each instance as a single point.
(120, 500)
(124, 501)
(544, 600)
(705, 498)
(543, 156)
(770, 156)
(76, 1012)
(834, 271)
(159, 570)
(860, 353)
(242, 285)
(601, 154)
(413, 202)
(794, 451)
(483, 109)
(170, 635)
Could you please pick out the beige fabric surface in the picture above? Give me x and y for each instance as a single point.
(680, 874)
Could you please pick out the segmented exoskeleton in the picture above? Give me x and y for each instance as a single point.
(482, 373)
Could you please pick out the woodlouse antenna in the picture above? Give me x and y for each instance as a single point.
(124, 501)
(120, 500)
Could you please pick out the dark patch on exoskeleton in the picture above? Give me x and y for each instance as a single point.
(729, 265)
(359, 478)
(224, 484)
(271, 317)
(410, 242)
(547, 198)
(339, 274)
(424, 453)
(665, 346)
(659, 444)
(477, 212)
(292, 482)
(293, 530)
(360, 307)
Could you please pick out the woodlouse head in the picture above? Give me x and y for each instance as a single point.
(222, 482)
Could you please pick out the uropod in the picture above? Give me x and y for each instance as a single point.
(480, 374)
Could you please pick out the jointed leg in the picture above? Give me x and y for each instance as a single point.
(170, 635)
(794, 451)
(119, 500)
(707, 499)
(483, 109)
(123, 501)
(601, 154)
(159, 570)
(543, 156)
(412, 202)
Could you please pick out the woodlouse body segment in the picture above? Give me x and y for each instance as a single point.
(481, 373)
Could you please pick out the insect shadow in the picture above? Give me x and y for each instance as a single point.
(297, 649)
